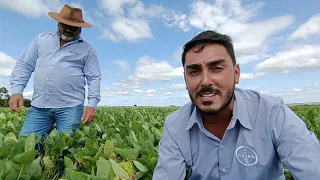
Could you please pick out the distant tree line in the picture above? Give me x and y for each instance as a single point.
(5, 97)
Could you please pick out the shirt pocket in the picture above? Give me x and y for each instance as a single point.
(73, 58)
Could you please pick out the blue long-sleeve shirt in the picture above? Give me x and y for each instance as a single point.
(60, 73)
(263, 135)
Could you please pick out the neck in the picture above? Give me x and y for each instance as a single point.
(218, 123)
(62, 42)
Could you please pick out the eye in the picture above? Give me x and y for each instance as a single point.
(193, 72)
(218, 68)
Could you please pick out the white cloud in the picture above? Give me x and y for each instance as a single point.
(123, 65)
(131, 25)
(176, 19)
(186, 96)
(116, 7)
(107, 34)
(175, 87)
(111, 92)
(306, 93)
(177, 54)
(206, 15)
(127, 84)
(131, 29)
(168, 93)
(234, 19)
(6, 64)
(138, 91)
(253, 38)
(303, 58)
(38, 8)
(34, 8)
(127, 29)
(246, 76)
(249, 76)
(140, 11)
(149, 69)
(151, 92)
(307, 30)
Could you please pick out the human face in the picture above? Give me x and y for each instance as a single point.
(68, 33)
(210, 78)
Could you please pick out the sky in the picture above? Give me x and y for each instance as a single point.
(139, 44)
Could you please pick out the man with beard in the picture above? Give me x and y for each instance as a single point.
(61, 62)
(229, 133)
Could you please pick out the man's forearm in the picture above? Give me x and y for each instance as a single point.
(94, 91)
(20, 76)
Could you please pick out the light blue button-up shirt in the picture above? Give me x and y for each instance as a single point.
(263, 134)
(60, 73)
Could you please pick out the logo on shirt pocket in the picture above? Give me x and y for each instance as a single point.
(246, 156)
(74, 53)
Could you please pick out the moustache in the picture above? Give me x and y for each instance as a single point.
(208, 90)
(67, 34)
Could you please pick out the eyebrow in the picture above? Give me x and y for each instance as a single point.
(211, 63)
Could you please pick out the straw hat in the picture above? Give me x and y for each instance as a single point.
(70, 16)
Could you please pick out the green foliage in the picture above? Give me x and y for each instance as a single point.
(5, 97)
(121, 143)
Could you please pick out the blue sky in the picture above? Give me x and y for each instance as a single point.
(277, 44)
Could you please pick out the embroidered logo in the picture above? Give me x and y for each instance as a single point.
(246, 156)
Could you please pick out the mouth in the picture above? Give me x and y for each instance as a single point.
(67, 34)
(208, 97)
(208, 94)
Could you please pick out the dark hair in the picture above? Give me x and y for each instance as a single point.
(209, 37)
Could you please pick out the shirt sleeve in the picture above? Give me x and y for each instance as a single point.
(171, 165)
(23, 68)
(93, 76)
(298, 148)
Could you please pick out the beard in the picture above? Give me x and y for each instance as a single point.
(210, 111)
(67, 36)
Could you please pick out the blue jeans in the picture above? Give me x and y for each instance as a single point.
(41, 120)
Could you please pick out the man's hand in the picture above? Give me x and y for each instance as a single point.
(16, 102)
(88, 115)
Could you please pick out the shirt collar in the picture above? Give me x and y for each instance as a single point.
(239, 113)
(195, 118)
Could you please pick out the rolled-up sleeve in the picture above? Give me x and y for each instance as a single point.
(93, 76)
(298, 148)
(171, 164)
(23, 68)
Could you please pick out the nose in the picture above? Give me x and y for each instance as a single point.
(205, 79)
(68, 29)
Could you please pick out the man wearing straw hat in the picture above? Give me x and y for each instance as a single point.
(62, 62)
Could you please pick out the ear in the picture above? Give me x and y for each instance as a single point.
(185, 80)
(237, 73)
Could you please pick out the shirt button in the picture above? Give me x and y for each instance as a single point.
(224, 170)
(221, 146)
(47, 79)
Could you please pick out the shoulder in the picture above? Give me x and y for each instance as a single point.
(179, 118)
(90, 49)
(45, 35)
(259, 107)
(88, 45)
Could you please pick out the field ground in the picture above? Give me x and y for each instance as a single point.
(121, 143)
